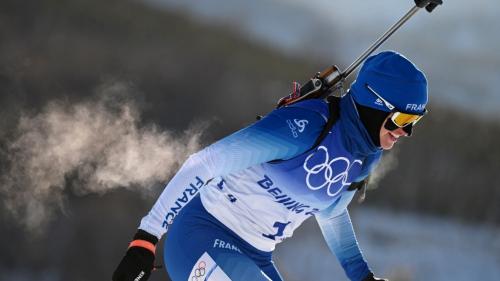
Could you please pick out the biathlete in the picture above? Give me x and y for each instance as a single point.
(230, 204)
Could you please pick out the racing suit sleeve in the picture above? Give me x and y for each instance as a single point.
(282, 134)
(336, 226)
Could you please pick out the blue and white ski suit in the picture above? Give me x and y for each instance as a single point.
(232, 202)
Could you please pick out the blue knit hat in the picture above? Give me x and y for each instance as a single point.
(394, 78)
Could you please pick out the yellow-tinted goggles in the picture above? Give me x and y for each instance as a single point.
(401, 119)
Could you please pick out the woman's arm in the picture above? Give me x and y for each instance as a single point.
(283, 134)
(336, 226)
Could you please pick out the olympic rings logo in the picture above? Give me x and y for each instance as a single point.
(199, 272)
(326, 168)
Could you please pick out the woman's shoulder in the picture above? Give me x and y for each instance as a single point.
(317, 105)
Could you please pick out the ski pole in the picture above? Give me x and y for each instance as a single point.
(428, 4)
(323, 81)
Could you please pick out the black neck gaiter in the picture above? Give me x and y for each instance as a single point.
(372, 119)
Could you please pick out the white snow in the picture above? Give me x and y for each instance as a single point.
(399, 247)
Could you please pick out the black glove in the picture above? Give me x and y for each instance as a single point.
(370, 277)
(137, 263)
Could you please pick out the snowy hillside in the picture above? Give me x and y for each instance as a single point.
(401, 247)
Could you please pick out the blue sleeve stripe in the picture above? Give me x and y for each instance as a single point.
(277, 136)
(340, 238)
(256, 147)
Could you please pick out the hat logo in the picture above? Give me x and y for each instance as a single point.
(415, 107)
(379, 102)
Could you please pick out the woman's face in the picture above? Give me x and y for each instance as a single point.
(389, 138)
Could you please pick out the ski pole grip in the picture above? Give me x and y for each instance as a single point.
(429, 5)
